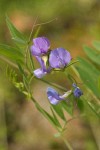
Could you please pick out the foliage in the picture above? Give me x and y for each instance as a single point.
(87, 72)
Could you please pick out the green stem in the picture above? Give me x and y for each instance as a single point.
(52, 84)
(67, 144)
(65, 141)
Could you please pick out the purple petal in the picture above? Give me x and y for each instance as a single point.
(77, 92)
(39, 73)
(54, 59)
(35, 51)
(42, 64)
(42, 43)
(53, 96)
(59, 58)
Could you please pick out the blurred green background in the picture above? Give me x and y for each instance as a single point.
(77, 23)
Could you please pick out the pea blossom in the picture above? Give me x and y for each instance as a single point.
(40, 47)
(54, 97)
(40, 72)
(77, 91)
(59, 58)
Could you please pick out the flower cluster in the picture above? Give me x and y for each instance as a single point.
(57, 58)
(54, 97)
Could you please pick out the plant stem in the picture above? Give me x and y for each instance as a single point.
(53, 84)
(67, 144)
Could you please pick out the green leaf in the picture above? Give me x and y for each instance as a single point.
(69, 106)
(13, 77)
(58, 109)
(99, 83)
(24, 75)
(80, 105)
(16, 35)
(55, 118)
(11, 53)
(31, 61)
(21, 70)
(89, 74)
(94, 109)
(46, 115)
(96, 45)
(88, 67)
(92, 54)
(20, 41)
(37, 32)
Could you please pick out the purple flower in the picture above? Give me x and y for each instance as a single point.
(54, 96)
(77, 91)
(40, 72)
(59, 58)
(40, 47)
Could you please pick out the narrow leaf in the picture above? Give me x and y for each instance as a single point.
(21, 70)
(91, 107)
(14, 32)
(46, 115)
(55, 118)
(96, 45)
(89, 74)
(37, 32)
(92, 54)
(99, 83)
(20, 41)
(68, 106)
(58, 109)
(11, 53)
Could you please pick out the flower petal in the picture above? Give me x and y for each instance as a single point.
(77, 91)
(53, 96)
(42, 64)
(54, 59)
(64, 55)
(35, 51)
(59, 58)
(39, 73)
(42, 43)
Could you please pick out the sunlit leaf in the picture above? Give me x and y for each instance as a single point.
(55, 118)
(16, 35)
(11, 53)
(58, 109)
(80, 105)
(99, 83)
(89, 74)
(24, 75)
(96, 44)
(94, 109)
(92, 54)
(46, 115)
(19, 40)
(37, 32)
(21, 70)
(68, 106)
